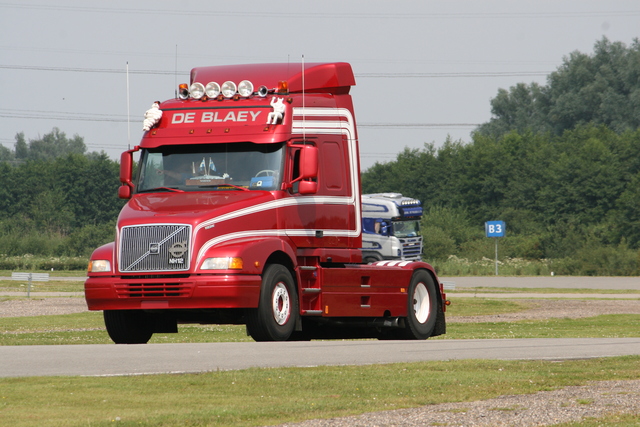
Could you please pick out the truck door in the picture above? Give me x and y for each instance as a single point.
(323, 219)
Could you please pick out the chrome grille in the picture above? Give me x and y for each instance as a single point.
(160, 247)
(411, 248)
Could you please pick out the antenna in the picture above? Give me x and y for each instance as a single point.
(304, 127)
(175, 75)
(128, 112)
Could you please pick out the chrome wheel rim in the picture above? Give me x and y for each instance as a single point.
(281, 304)
(421, 306)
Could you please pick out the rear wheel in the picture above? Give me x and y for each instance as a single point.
(369, 257)
(423, 306)
(128, 326)
(277, 312)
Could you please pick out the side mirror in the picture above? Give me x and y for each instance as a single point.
(126, 173)
(124, 192)
(385, 229)
(308, 162)
(307, 187)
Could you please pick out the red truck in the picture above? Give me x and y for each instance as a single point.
(245, 208)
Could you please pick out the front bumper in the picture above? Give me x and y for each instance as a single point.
(172, 292)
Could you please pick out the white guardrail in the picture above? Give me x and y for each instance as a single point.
(30, 277)
(449, 286)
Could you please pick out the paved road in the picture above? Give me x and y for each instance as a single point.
(91, 360)
(101, 360)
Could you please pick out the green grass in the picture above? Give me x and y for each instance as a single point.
(618, 420)
(483, 306)
(272, 396)
(604, 326)
(454, 266)
(256, 397)
(88, 328)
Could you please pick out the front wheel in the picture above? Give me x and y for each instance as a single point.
(423, 306)
(277, 312)
(128, 326)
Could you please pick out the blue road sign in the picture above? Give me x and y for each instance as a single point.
(495, 228)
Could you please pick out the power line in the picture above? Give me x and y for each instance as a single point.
(463, 74)
(12, 110)
(315, 14)
(60, 115)
(417, 125)
(119, 118)
(359, 75)
(163, 54)
(87, 70)
(122, 146)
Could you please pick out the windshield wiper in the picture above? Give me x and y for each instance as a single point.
(174, 189)
(224, 185)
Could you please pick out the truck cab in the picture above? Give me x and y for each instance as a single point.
(391, 227)
(245, 208)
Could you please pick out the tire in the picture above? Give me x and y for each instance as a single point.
(128, 326)
(369, 257)
(422, 306)
(277, 312)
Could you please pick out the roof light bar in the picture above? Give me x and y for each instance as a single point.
(229, 89)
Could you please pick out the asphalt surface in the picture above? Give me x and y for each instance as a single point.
(558, 282)
(108, 360)
(101, 360)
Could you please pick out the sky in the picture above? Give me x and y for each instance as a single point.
(425, 70)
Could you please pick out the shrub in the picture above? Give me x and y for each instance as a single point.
(437, 244)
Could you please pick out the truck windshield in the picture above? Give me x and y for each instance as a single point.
(237, 166)
(406, 228)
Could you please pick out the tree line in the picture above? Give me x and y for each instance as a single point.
(56, 199)
(560, 164)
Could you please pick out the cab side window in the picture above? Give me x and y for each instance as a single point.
(295, 170)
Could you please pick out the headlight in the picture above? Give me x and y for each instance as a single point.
(226, 263)
(99, 266)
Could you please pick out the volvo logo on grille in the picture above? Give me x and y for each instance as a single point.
(154, 248)
(177, 251)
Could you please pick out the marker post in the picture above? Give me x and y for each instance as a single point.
(495, 229)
